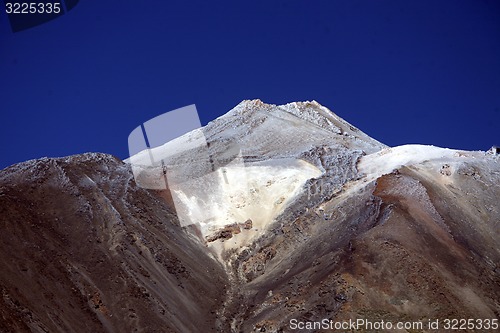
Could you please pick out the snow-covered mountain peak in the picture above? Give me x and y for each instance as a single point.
(267, 130)
(253, 162)
(306, 214)
(310, 112)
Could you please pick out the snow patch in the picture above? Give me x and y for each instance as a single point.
(258, 191)
(389, 159)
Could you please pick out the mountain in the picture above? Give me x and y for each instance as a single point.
(287, 216)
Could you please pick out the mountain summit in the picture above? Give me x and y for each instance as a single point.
(251, 164)
(295, 218)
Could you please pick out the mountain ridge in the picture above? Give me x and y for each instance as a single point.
(393, 234)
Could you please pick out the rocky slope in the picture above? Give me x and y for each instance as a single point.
(328, 224)
(85, 250)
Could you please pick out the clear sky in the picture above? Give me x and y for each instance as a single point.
(402, 71)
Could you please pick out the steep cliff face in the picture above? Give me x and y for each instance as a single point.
(328, 224)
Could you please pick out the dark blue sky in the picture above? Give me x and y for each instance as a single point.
(402, 71)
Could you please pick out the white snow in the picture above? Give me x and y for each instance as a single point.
(387, 160)
(233, 194)
(188, 141)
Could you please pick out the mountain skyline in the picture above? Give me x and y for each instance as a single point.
(333, 226)
(403, 72)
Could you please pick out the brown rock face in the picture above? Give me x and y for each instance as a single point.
(82, 249)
